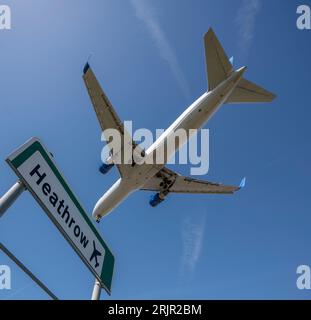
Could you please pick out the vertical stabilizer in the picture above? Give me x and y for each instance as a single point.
(217, 63)
(219, 68)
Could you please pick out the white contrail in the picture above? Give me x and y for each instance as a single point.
(193, 229)
(145, 12)
(18, 291)
(245, 21)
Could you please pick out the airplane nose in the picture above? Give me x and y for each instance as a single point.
(97, 211)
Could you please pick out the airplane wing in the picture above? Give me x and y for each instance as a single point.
(167, 181)
(106, 115)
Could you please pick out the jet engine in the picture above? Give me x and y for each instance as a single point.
(106, 166)
(156, 199)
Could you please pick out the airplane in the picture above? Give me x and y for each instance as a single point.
(95, 254)
(225, 85)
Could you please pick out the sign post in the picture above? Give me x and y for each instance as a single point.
(96, 290)
(10, 196)
(38, 172)
(27, 271)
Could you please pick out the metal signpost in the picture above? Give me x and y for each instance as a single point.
(27, 271)
(39, 174)
(7, 200)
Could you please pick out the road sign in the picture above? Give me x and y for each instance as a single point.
(35, 166)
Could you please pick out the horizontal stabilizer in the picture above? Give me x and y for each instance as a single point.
(248, 92)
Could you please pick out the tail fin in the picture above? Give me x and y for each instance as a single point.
(217, 63)
(219, 69)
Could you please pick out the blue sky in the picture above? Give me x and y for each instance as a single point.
(149, 58)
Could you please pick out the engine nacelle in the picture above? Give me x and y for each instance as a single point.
(104, 168)
(156, 199)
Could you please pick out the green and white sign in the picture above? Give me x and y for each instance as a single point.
(34, 165)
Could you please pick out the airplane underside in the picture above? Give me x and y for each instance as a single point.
(225, 85)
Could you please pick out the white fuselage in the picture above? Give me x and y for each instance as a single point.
(194, 117)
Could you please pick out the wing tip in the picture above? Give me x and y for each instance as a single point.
(209, 33)
(242, 183)
(272, 96)
(86, 68)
